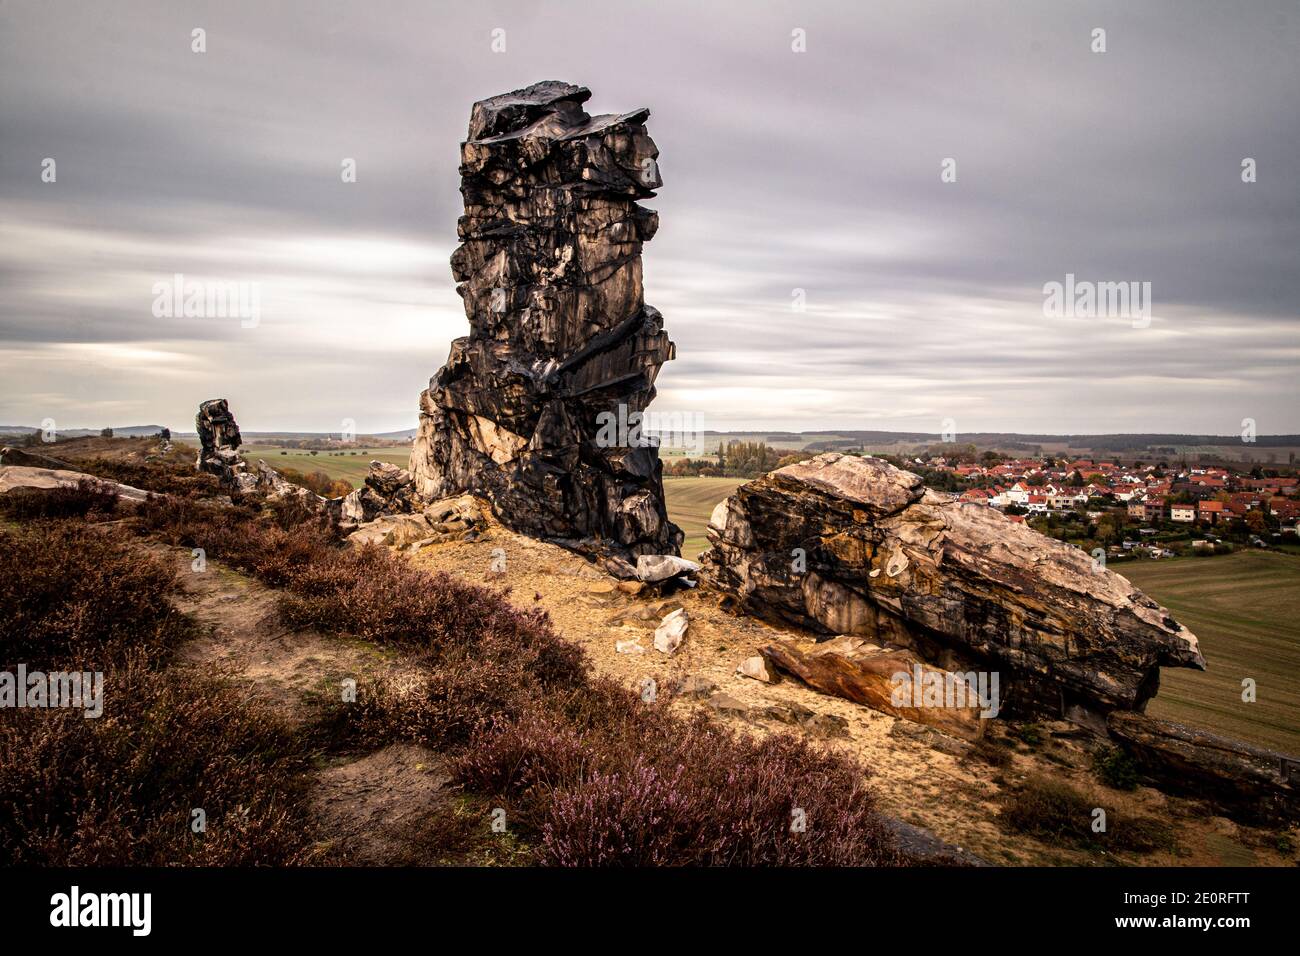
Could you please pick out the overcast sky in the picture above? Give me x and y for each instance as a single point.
(817, 170)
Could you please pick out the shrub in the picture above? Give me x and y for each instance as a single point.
(1116, 769)
(78, 597)
(1140, 834)
(1030, 734)
(120, 790)
(318, 482)
(655, 790)
(1052, 810)
(1049, 809)
(162, 475)
(84, 498)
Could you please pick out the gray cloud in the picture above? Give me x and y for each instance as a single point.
(817, 171)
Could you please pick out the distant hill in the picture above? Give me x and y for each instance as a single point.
(123, 431)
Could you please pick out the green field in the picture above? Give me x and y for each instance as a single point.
(1245, 609)
(347, 465)
(690, 502)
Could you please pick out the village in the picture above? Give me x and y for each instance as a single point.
(1141, 509)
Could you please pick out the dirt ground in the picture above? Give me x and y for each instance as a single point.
(372, 809)
(921, 777)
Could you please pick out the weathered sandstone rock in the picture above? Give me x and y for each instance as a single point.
(866, 675)
(387, 490)
(219, 442)
(755, 667)
(15, 477)
(654, 568)
(537, 408)
(672, 631)
(848, 545)
(1244, 781)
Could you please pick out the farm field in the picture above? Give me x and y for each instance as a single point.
(352, 464)
(690, 502)
(1245, 608)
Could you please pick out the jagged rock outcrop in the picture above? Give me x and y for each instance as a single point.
(550, 272)
(387, 490)
(219, 442)
(847, 545)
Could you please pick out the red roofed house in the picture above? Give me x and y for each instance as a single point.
(1209, 511)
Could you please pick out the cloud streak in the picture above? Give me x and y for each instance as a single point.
(816, 171)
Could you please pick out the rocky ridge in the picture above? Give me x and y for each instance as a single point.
(848, 545)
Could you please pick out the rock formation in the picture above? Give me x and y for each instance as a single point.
(1244, 781)
(536, 409)
(387, 490)
(219, 442)
(851, 668)
(848, 545)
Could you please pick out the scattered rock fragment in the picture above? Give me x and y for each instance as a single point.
(728, 706)
(693, 685)
(755, 667)
(930, 737)
(654, 568)
(671, 632)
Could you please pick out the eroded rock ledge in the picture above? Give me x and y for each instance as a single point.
(550, 273)
(847, 545)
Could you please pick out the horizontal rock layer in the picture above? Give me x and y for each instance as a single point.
(1245, 782)
(847, 545)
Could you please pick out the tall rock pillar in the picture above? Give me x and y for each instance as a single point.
(532, 409)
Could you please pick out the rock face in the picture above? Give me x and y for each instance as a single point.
(867, 674)
(219, 442)
(537, 408)
(848, 545)
(1244, 781)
